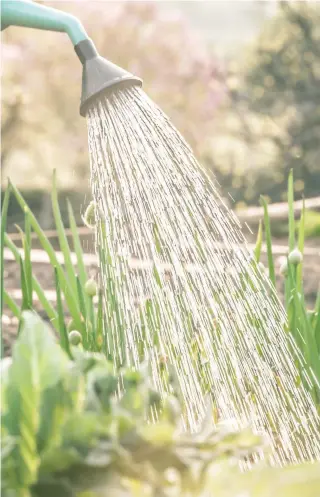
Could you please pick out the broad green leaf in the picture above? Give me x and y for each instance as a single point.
(38, 363)
(50, 487)
(59, 459)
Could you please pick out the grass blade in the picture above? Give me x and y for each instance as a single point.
(99, 331)
(268, 241)
(292, 235)
(301, 248)
(67, 288)
(64, 340)
(85, 319)
(26, 301)
(257, 250)
(51, 313)
(317, 323)
(4, 213)
(77, 245)
(63, 241)
(27, 256)
(11, 304)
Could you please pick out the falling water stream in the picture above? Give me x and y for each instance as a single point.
(200, 309)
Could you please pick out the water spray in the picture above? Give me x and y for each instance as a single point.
(98, 75)
(220, 326)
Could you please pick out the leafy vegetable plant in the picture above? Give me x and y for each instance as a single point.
(74, 289)
(302, 324)
(77, 429)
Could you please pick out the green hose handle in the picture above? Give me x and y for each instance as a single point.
(32, 15)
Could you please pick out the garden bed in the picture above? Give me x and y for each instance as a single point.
(44, 273)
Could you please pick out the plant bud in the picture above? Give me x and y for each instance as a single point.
(284, 268)
(75, 337)
(295, 257)
(91, 287)
(89, 217)
(71, 326)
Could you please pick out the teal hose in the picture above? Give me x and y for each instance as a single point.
(32, 15)
(98, 74)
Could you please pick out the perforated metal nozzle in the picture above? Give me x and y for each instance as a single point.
(99, 75)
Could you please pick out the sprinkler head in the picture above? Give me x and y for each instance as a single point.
(99, 75)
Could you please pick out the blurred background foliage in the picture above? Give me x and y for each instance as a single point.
(250, 115)
(271, 118)
(41, 126)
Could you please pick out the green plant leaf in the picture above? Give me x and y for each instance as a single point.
(161, 433)
(316, 323)
(83, 276)
(301, 248)
(257, 250)
(292, 229)
(66, 286)
(51, 313)
(99, 330)
(64, 340)
(268, 241)
(26, 298)
(63, 241)
(27, 256)
(4, 213)
(11, 304)
(59, 459)
(38, 363)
